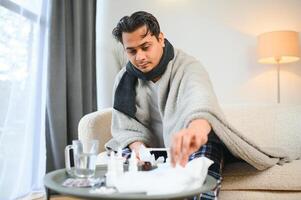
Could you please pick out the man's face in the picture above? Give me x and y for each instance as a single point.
(143, 52)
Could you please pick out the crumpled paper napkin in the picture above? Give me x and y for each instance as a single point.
(165, 179)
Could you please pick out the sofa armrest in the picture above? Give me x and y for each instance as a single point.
(96, 125)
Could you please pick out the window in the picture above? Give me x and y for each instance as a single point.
(16, 47)
(23, 43)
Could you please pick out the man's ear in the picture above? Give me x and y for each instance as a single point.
(161, 39)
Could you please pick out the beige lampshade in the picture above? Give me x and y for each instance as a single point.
(278, 47)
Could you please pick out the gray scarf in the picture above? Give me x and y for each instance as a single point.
(125, 94)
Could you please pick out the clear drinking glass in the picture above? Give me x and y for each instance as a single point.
(85, 155)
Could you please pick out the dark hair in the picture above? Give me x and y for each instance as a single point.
(138, 19)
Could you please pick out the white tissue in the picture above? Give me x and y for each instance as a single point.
(133, 163)
(146, 156)
(160, 160)
(165, 179)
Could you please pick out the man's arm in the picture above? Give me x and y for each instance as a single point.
(135, 146)
(189, 140)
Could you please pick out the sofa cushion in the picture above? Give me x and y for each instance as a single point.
(242, 176)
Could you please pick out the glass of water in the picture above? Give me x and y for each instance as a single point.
(85, 155)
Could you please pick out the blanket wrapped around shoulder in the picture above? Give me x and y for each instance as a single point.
(185, 93)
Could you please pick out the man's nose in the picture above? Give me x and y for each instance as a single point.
(140, 55)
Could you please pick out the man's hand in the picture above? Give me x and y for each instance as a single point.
(189, 140)
(135, 146)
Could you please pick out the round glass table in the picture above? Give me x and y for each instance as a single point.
(53, 181)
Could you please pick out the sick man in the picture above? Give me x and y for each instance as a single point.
(160, 98)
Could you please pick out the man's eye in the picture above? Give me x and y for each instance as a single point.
(132, 52)
(145, 48)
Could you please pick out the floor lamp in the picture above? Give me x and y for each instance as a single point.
(278, 47)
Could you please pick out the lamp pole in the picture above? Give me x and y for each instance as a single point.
(278, 79)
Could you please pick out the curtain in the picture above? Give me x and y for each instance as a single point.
(23, 55)
(71, 91)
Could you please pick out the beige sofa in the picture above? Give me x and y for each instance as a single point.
(241, 181)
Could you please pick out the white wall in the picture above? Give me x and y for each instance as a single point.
(221, 34)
